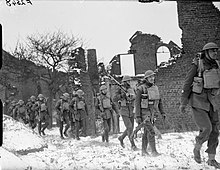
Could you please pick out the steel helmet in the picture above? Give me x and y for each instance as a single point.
(79, 92)
(40, 96)
(20, 102)
(32, 97)
(103, 87)
(13, 102)
(210, 45)
(74, 93)
(148, 73)
(126, 78)
(66, 95)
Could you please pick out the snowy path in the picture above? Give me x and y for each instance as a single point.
(91, 153)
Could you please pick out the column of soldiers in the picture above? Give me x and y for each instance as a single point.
(34, 112)
(71, 112)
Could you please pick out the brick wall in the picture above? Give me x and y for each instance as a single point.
(145, 47)
(19, 73)
(200, 23)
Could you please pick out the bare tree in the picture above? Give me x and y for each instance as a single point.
(51, 50)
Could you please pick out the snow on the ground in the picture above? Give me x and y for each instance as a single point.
(9, 161)
(19, 137)
(91, 153)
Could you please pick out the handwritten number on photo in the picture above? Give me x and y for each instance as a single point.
(8, 2)
(28, 1)
(17, 2)
(22, 2)
(13, 2)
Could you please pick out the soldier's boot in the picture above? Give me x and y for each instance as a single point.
(61, 131)
(77, 135)
(134, 134)
(154, 152)
(103, 137)
(144, 152)
(133, 146)
(144, 148)
(196, 152)
(107, 137)
(39, 128)
(61, 135)
(44, 127)
(72, 131)
(65, 131)
(120, 138)
(212, 162)
(42, 131)
(34, 125)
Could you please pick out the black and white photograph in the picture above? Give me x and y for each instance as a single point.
(110, 85)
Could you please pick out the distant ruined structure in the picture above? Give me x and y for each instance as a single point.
(200, 23)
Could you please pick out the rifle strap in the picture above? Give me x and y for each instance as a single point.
(218, 63)
(144, 89)
(200, 67)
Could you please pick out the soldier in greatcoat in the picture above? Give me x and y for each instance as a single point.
(201, 91)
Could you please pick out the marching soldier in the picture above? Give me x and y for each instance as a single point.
(63, 109)
(148, 103)
(43, 115)
(125, 99)
(31, 112)
(201, 91)
(11, 108)
(80, 111)
(20, 113)
(106, 106)
(72, 115)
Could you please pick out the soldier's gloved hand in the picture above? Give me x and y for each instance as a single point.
(127, 94)
(182, 108)
(118, 114)
(138, 120)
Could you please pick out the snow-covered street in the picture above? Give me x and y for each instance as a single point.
(91, 153)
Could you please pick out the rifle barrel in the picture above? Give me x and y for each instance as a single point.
(117, 82)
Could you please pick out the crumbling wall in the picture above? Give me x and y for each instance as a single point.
(144, 46)
(18, 73)
(200, 23)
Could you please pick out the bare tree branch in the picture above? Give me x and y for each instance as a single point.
(51, 50)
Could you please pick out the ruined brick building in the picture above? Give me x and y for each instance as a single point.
(200, 23)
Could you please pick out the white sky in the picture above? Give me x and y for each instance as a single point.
(105, 26)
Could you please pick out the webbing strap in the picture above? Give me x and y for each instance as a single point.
(200, 67)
